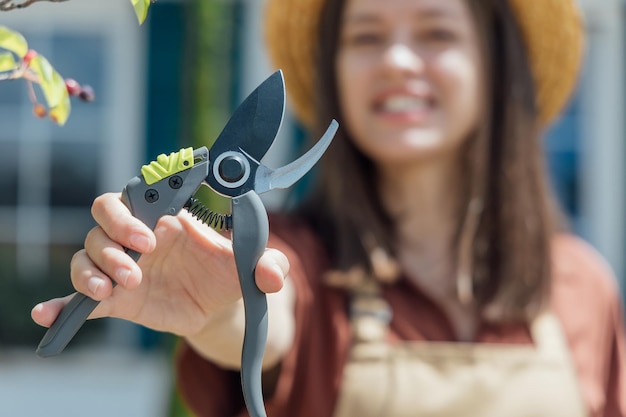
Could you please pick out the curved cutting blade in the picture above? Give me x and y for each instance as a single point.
(268, 179)
(255, 123)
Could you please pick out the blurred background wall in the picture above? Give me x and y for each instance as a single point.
(172, 83)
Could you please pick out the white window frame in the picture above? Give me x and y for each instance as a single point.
(603, 145)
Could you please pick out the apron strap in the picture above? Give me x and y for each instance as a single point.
(370, 314)
(549, 337)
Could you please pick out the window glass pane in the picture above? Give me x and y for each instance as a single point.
(563, 154)
(7, 261)
(8, 173)
(10, 121)
(82, 58)
(564, 169)
(18, 294)
(13, 91)
(70, 225)
(8, 230)
(84, 125)
(74, 174)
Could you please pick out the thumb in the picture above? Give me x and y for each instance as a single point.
(271, 271)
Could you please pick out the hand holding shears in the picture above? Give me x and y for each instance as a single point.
(232, 168)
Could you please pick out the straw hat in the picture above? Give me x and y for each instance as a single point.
(552, 29)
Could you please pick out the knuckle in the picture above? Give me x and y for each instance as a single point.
(91, 234)
(76, 257)
(109, 256)
(97, 204)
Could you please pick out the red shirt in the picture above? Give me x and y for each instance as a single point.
(585, 298)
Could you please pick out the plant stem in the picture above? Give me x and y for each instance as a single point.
(6, 5)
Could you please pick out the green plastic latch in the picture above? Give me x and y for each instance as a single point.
(167, 165)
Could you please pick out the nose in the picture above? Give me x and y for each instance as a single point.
(401, 58)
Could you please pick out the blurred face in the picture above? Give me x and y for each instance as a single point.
(409, 76)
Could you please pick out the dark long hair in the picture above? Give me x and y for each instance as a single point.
(503, 237)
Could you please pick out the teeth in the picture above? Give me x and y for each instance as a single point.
(399, 104)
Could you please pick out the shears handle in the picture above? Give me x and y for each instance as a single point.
(70, 320)
(249, 235)
(75, 313)
(146, 202)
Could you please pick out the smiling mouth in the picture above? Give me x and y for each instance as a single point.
(402, 105)
(399, 104)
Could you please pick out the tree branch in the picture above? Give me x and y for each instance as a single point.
(6, 5)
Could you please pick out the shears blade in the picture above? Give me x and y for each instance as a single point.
(268, 179)
(255, 123)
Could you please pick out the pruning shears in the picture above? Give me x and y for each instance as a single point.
(231, 167)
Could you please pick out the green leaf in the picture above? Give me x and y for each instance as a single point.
(141, 9)
(54, 89)
(13, 41)
(7, 62)
(61, 112)
(51, 82)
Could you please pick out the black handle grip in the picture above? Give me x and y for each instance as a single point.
(69, 321)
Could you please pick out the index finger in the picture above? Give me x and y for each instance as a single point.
(115, 218)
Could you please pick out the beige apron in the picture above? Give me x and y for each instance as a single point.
(445, 379)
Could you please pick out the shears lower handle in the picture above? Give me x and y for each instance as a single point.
(75, 313)
(69, 321)
(249, 236)
(148, 203)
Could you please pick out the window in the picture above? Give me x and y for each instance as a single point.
(49, 175)
(587, 147)
(563, 147)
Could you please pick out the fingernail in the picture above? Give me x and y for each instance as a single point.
(122, 275)
(93, 284)
(140, 242)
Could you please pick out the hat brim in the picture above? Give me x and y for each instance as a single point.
(552, 30)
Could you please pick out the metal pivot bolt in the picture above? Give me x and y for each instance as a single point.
(232, 168)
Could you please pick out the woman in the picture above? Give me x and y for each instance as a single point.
(428, 272)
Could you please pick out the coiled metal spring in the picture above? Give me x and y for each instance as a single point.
(207, 216)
